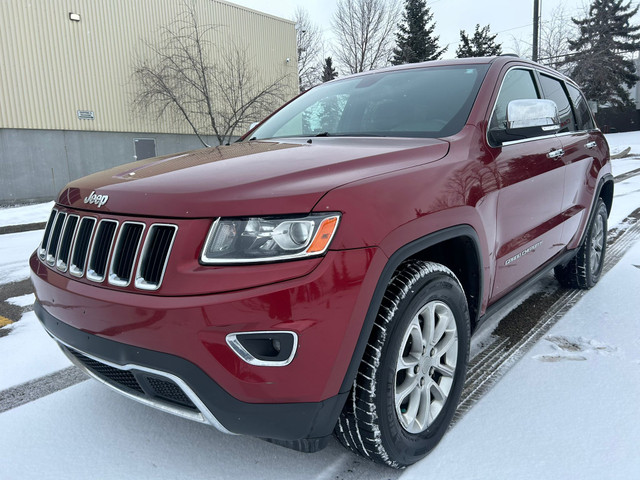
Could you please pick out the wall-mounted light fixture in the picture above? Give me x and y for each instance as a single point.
(74, 17)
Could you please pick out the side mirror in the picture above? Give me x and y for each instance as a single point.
(527, 119)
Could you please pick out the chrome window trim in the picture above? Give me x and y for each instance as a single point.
(73, 269)
(243, 353)
(112, 278)
(73, 237)
(90, 274)
(139, 281)
(557, 135)
(204, 415)
(524, 140)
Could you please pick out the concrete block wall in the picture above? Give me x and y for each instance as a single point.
(36, 164)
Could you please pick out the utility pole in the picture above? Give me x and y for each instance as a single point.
(536, 29)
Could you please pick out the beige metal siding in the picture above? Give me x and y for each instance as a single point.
(50, 66)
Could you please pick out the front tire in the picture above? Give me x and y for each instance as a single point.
(412, 372)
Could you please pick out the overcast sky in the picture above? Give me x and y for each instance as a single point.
(508, 18)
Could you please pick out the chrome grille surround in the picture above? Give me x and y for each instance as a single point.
(104, 248)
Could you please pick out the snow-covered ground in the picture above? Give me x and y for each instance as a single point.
(26, 214)
(568, 409)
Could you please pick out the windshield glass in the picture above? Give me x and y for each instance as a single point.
(419, 102)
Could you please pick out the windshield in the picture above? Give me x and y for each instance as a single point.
(420, 102)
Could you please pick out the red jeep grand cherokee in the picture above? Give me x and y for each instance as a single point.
(324, 274)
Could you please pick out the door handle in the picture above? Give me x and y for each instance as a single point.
(591, 145)
(555, 153)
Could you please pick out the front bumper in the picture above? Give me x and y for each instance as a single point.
(207, 401)
(181, 341)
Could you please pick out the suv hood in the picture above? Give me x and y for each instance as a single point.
(250, 178)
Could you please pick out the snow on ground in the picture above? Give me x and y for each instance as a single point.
(15, 249)
(25, 214)
(87, 431)
(569, 408)
(22, 300)
(27, 353)
(619, 141)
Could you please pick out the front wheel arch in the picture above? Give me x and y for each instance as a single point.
(424, 248)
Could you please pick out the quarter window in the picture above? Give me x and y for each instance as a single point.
(554, 90)
(584, 120)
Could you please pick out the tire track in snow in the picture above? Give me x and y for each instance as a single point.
(492, 363)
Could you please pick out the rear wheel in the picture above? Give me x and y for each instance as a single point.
(583, 271)
(413, 369)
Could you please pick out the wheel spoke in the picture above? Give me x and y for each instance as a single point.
(422, 417)
(445, 344)
(414, 406)
(441, 327)
(429, 319)
(409, 385)
(408, 363)
(445, 369)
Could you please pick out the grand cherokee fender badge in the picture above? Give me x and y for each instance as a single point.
(94, 199)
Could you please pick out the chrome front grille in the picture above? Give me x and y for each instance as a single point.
(105, 249)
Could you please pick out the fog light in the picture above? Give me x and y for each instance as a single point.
(266, 349)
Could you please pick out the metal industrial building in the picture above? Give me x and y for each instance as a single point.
(66, 89)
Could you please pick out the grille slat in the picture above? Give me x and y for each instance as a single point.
(98, 249)
(81, 247)
(155, 255)
(42, 251)
(125, 253)
(101, 250)
(52, 249)
(65, 245)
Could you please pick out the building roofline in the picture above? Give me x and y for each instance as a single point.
(258, 12)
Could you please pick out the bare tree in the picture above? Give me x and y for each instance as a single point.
(365, 30)
(555, 32)
(310, 47)
(186, 76)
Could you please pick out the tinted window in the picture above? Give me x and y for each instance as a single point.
(584, 120)
(419, 102)
(554, 90)
(517, 85)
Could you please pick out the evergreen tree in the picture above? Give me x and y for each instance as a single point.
(415, 40)
(328, 72)
(600, 66)
(482, 44)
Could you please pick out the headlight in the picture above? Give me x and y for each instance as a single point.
(252, 240)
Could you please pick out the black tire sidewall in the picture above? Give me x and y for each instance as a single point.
(402, 446)
(593, 274)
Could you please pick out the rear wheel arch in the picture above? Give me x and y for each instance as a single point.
(606, 193)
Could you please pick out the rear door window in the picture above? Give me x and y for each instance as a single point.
(554, 90)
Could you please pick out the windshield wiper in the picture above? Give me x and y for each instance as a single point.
(323, 134)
